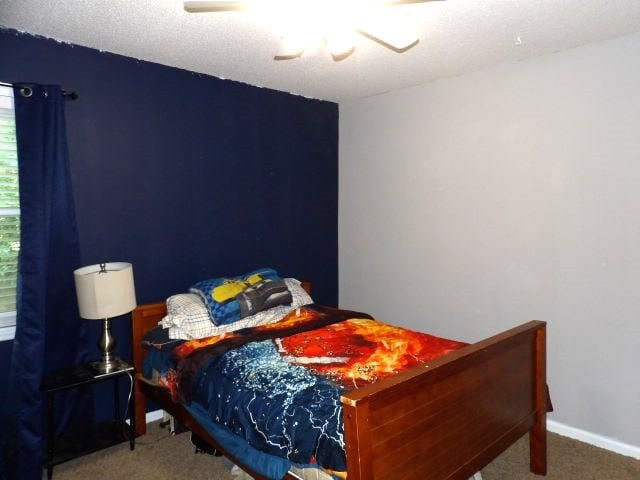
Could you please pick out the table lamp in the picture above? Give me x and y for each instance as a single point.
(104, 291)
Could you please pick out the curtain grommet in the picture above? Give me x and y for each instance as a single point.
(26, 92)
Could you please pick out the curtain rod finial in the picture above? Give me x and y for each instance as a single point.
(71, 95)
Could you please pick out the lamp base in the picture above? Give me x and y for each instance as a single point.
(100, 368)
(106, 344)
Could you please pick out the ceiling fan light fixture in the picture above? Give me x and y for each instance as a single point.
(340, 43)
(214, 6)
(292, 46)
(395, 33)
(399, 43)
(308, 23)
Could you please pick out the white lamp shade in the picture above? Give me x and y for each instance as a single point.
(103, 295)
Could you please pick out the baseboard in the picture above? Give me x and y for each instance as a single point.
(555, 427)
(154, 416)
(594, 439)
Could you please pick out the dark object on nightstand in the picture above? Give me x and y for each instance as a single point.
(76, 443)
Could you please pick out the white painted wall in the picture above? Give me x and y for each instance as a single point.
(472, 204)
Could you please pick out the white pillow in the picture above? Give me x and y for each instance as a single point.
(188, 317)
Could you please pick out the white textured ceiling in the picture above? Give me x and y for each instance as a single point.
(457, 36)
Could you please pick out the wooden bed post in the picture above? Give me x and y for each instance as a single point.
(142, 320)
(538, 433)
(357, 438)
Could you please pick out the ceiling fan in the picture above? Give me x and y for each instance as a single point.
(334, 21)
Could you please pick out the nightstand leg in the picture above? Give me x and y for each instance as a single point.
(116, 399)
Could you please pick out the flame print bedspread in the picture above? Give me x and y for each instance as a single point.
(279, 386)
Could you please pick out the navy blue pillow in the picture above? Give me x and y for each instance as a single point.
(227, 311)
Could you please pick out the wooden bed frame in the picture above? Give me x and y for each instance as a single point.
(444, 420)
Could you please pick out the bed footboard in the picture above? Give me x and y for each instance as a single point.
(452, 417)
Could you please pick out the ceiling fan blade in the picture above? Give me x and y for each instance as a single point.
(214, 6)
(195, 6)
(390, 3)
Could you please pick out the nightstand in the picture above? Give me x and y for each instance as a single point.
(74, 444)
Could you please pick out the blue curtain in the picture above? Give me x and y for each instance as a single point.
(49, 331)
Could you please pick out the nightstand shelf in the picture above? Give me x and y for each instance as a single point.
(78, 442)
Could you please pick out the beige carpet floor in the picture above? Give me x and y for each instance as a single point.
(159, 456)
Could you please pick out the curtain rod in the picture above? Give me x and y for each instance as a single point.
(70, 95)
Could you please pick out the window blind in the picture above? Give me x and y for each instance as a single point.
(9, 208)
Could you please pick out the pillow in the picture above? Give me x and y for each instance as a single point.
(219, 294)
(262, 296)
(188, 318)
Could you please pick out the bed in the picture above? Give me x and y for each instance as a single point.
(443, 420)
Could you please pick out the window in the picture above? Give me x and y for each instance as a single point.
(9, 214)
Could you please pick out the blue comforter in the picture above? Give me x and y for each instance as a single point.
(279, 408)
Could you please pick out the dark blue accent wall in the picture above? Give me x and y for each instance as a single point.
(188, 176)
